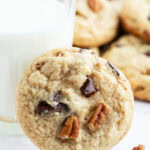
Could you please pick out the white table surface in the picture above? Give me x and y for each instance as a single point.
(138, 134)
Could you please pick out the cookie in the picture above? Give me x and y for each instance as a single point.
(70, 99)
(135, 17)
(132, 56)
(96, 23)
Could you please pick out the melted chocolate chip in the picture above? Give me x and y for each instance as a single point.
(114, 69)
(43, 107)
(147, 53)
(57, 96)
(88, 87)
(61, 107)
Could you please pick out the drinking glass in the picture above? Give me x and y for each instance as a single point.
(28, 28)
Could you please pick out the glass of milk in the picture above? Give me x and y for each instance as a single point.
(28, 28)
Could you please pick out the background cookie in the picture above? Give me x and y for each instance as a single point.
(96, 23)
(132, 56)
(71, 99)
(135, 18)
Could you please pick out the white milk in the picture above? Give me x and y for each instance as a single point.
(28, 28)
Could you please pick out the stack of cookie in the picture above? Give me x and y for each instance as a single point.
(98, 24)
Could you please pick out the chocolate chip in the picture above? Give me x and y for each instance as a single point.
(61, 107)
(43, 107)
(57, 96)
(147, 53)
(113, 68)
(88, 87)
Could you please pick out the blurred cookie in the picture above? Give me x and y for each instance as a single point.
(135, 18)
(96, 23)
(70, 99)
(132, 56)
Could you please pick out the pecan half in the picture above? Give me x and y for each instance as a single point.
(99, 116)
(95, 5)
(70, 129)
(140, 147)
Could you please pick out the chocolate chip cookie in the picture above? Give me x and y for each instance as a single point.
(96, 23)
(71, 99)
(135, 18)
(132, 56)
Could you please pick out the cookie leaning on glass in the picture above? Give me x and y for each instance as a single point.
(70, 98)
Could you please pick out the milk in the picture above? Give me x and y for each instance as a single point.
(28, 28)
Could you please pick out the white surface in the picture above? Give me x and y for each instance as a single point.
(28, 28)
(138, 134)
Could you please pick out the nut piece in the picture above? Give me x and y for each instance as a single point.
(95, 5)
(140, 147)
(98, 117)
(70, 129)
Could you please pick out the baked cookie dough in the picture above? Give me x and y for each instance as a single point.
(96, 23)
(96, 50)
(135, 17)
(132, 56)
(70, 99)
(117, 5)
